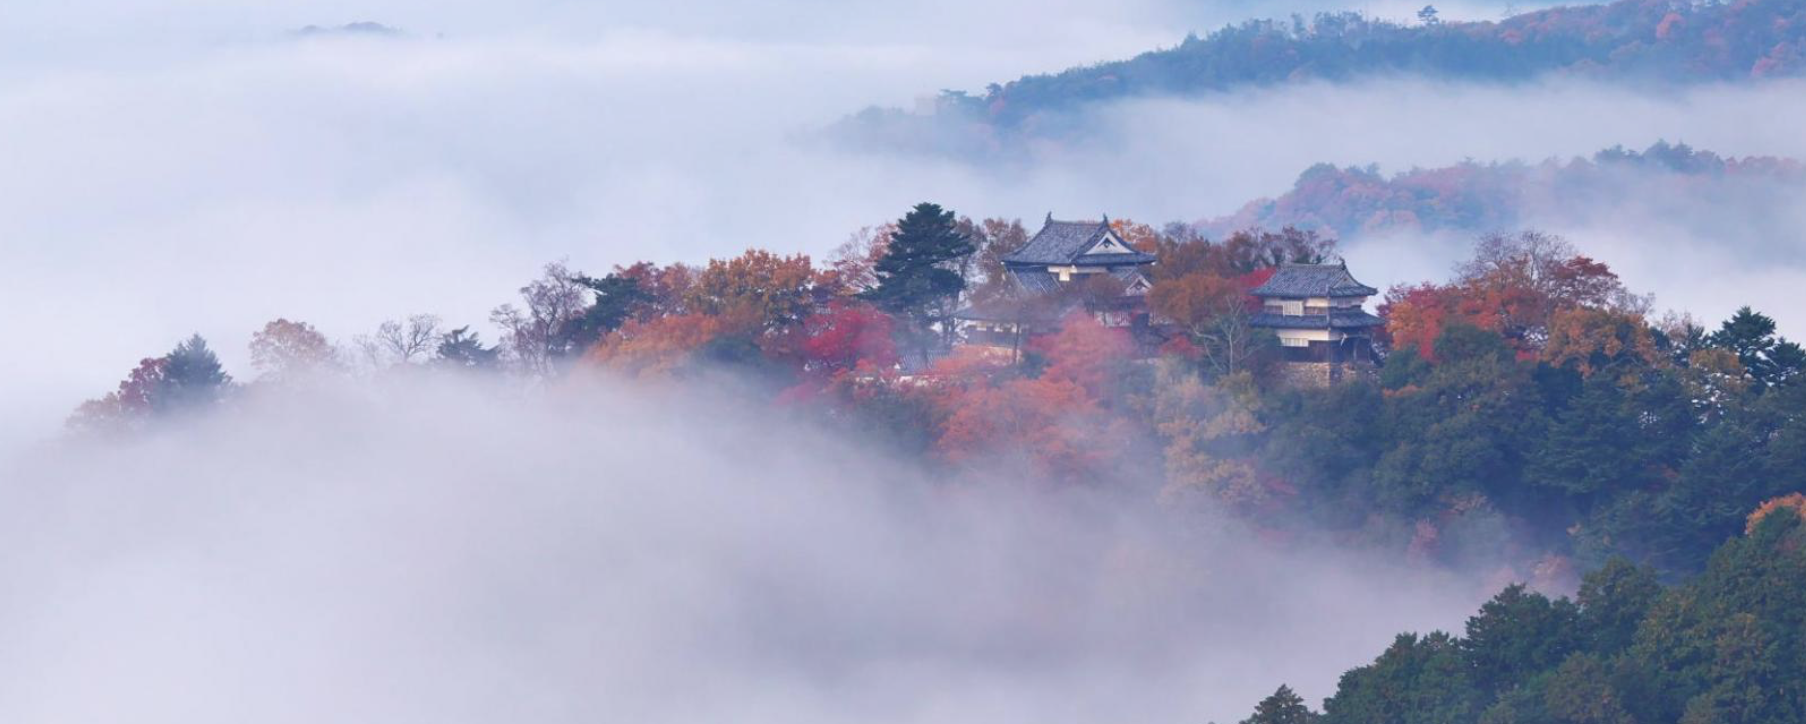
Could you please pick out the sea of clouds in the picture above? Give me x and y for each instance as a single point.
(440, 550)
(445, 554)
(154, 191)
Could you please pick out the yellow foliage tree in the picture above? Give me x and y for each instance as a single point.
(778, 290)
(1206, 428)
(1590, 338)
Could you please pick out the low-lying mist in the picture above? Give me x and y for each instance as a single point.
(438, 550)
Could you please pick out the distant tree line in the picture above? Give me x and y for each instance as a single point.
(1629, 40)
(1469, 197)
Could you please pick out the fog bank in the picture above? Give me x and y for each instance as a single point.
(442, 552)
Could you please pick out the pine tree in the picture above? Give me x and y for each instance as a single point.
(192, 377)
(460, 348)
(1770, 360)
(917, 277)
(1593, 446)
(1283, 707)
(1613, 600)
(617, 299)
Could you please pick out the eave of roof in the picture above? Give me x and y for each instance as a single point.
(1313, 280)
(1135, 258)
(1336, 320)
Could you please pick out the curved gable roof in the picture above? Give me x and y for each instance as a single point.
(1063, 242)
(1313, 280)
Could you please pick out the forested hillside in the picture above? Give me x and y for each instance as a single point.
(1629, 41)
(1530, 419)
(1727, 646)
(1480, 197)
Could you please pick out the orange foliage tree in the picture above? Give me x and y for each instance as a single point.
(988, 280)
(1514, 285)
(1087, 354)
(1216, 313)
(1140, 237)
(1209, 431)
(285, 349)
(1415, 316)
(1060, 421)
(1794, 503)
(131, 403)
(665, 287)
(852, 266)
(1590, 339)
(656, 347)
(775, 290)
(1053, 423)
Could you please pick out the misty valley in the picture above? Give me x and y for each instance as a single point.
(1241, 363)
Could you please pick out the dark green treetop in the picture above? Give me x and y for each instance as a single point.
(917, 275)
(192, 377)
(1283, 707)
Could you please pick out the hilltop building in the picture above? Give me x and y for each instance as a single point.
(1317, 312)
(1057, 271)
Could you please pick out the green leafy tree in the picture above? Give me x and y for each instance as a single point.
(1729, 645)
(1464, 430)
(1405, 366)
(1518, 634)
(1786, 453)
(1722, 479)
(1581, 691)
(1326, 441)
(1523, 705)
(1418, 680)
(1592, 446)
(1613, 601)
(918, 276)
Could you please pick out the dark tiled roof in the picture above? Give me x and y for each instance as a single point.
(1128, 274)
(1313, 280)
(1035, 281)
(1063, 242)
(1352, 319)
(1016, 311)
(1134, 258)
